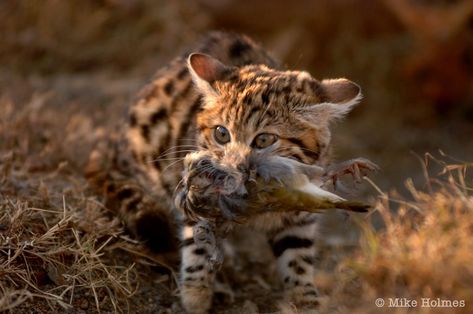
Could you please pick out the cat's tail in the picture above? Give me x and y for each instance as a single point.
(145, 215)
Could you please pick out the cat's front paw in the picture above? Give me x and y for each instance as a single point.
(305, 296)
(196, 299)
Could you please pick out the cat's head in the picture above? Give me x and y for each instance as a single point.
(255, 110)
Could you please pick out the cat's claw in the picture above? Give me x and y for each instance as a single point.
(216, 259)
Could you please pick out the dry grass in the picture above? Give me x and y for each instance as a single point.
(59, 248)
(423, 250)
(46, 254)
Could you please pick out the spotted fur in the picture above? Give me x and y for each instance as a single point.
(228, 81)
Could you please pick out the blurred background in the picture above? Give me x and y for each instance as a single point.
(81, 62)
(69, 69)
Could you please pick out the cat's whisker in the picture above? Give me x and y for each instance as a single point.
(174, 148)
(165, 159)
(179, 146)
(174, 153)
(187, 139)
(177, 185)
(170, 165)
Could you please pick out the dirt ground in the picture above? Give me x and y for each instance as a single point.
(68, 72)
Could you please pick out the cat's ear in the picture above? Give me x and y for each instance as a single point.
(340, 96)
(341, 92)
(205, 70)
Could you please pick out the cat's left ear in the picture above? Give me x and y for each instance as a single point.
(339, 97)
(206, 70)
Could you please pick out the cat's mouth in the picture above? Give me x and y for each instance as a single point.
(210, 190)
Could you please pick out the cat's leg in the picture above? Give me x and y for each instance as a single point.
(196, 274)
(295, 251)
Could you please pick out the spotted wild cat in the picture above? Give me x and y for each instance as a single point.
(230, 98)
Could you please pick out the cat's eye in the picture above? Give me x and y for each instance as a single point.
(221, 135)
(264, 140)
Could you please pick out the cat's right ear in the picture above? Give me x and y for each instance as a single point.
(206, 70)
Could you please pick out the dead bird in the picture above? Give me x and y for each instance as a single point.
(216, 198)
(277, 184)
